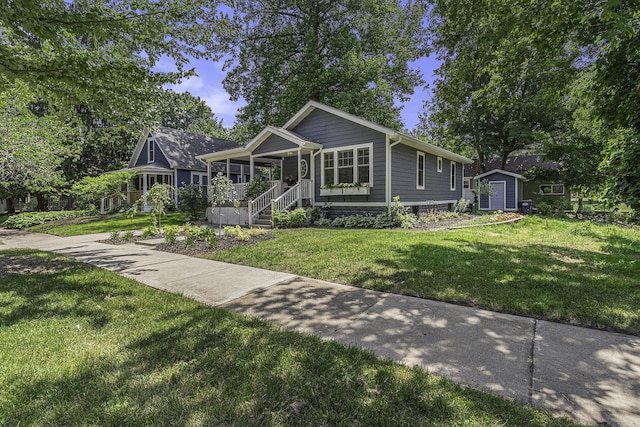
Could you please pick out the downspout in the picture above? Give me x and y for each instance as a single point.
(299, 177)
(389, 146)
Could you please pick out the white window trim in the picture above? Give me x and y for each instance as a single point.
(420, 154)
(452, 176)
(439, 164)
(552, 193)
(151, 150)
(354, 148)
(200, 175)
(466, 181)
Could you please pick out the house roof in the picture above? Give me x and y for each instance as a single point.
(400, 137)
(287, 133)
(181, 148)
(290, 136)
(516, 164)
(501, 171)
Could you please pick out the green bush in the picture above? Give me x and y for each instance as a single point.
(127, 235)
(201, 233)
(256, 187)
(193, 200)
(171, 233)
(29, 219)
(290, 219)
(243, 234)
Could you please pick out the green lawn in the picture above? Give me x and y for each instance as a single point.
(83, 346)
(564, 270)
(104, 224)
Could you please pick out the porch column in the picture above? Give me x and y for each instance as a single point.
(175, 185)
(312, 175)
(299, 177)
(228, 168)
(242, 179)
(251, 163)
(144, 188)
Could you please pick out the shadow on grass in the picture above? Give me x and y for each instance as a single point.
(182, 363)
(596, 289)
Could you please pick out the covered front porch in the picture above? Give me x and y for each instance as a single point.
(274, 149)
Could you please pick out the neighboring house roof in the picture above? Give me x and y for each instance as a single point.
(515, 164)
(501, 171)
(181, 148)
(287, 133)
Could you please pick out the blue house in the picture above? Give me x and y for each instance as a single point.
(333, 159)
(169, 156)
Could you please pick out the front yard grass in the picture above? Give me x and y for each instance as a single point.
(562, 270)
(104, 224)
(80, 345)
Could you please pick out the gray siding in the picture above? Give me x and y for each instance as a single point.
(511, 197)
(437, 184)
(159, 159)
(274, 143)
(334, 132)
(290, 166)
(183, 176)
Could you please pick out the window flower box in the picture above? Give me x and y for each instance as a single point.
(345, 191)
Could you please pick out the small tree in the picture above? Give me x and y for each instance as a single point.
(256, 187)
(90, 189)
(193, 200)
(222, 191)
(160, 196)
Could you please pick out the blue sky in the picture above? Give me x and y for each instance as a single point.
(208, 86)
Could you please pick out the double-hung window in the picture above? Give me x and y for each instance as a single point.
(552, 189)
(347, 165)
(150, 150)
(453, 176)
(420, 170)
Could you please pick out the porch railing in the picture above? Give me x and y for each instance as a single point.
(110, 202)
(302, 190)
(241, 190)
(263, 201)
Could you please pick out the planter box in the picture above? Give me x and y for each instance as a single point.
(346, 191)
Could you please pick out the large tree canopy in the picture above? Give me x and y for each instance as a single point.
(499, 87)
(100, 54)
(353, 55)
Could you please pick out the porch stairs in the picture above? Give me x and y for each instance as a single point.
(262, 207)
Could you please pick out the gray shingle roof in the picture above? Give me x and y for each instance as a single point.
(181, 147)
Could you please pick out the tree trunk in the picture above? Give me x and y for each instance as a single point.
(11, 207)
(43, 202)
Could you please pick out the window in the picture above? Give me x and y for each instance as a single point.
(453, 176)
(199, 178)
(347, 165)
(552, 189)
(151, 148)
(329, 169)
(363, 165)
(439, 164)
(466, 183)
(420, 171)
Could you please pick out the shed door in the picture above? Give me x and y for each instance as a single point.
(497, 201)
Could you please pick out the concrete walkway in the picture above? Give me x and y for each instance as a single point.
(588, 375)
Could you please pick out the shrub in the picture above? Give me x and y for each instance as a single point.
(290, 219)
(313, 215)
(170, 233)
(243, 234)
(114, 235)
(152, 230)
(201, 233)
(322, 222)
(29, 219)
(256, 187)
(461, 206)
(127, 235)
(193, 200)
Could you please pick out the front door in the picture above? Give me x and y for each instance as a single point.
(497, 201)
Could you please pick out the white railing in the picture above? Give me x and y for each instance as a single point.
(110, 202)
(241, 190)
(302, 190)
(263, 201)
(287, 199)
(307, 189)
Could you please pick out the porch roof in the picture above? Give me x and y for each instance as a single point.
(246, 151)
(146, 168)
(503, 172)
